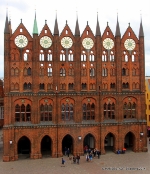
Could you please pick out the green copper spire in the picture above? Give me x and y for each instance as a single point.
(35, 28)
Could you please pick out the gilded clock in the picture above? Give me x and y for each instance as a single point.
(45, 42)
(21, 41)
(66, 42)
(87, 43)
(108, 43)
(129, 44)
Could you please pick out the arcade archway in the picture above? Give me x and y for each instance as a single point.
(129, 141)
(89, 141)
(109, 142)
(67, 142)
(46, 146)
(24, 147)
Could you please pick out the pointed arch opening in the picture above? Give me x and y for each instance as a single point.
(67, 142)
(129, 141)
(24, 147)
(109, 143)
(89, 141)
(46, 146)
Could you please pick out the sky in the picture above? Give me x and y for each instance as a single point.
(129, 11)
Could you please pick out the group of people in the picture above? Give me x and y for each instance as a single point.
(121, 151)
(90, 154)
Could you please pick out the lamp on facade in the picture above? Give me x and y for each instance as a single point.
(10, 142)
(79, 137)
(141, 133)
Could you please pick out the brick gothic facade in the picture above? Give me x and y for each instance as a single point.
(92, 92)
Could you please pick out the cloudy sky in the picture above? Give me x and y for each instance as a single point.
(129, 11)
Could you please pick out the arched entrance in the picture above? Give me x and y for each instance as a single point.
(89, 141)
(46, 146)
(24, 147)
(67, 142)
(129, 141)
(109, 142)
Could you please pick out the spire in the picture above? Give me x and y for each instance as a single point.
(6, 29)
(141, 32)
(117, 28)
(35, 28)
(56, 31)
(77, 30)
(98, 33)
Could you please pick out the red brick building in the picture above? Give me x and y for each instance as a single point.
(71, 90)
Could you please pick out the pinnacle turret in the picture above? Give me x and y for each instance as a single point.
(98, 32)
(77, 30)
(117, 29)
(56, 31)
(35, 28)
(141, 32)
(6, 29)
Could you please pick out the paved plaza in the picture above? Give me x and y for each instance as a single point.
(110, 163)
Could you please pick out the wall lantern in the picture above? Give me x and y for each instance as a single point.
(141, 133)
(10, 142)
(79, 137)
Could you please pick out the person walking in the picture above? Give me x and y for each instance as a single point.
(98, 154)
(78, 158)
(68, 152)
(62, 162)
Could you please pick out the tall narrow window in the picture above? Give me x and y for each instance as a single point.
(88, 111)
(67, 111)
(46, 112)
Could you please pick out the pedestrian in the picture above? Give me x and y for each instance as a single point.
(90, 156)
(98, 154)
(78, 158)
(74, 159)
(62, 162)
(87, 157)
(65, 151)
(68, 152)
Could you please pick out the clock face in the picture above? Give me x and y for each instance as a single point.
(45, 42)
(21, 41)
(87, 43)
(108, 43)
(66, 42)
(129, 44)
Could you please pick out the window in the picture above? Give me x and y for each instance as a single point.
(22, 113)
(125, 85)
(112, 86)
(49, 57)
(109, 111)
(129, 110)
(83, 56)
(71, 71)
(70, 86)
(41, 71)
(88, 111)
(92, 86)
(104, 57)
(49, 86)
(112, 59)
(84, 86)
(83, 72)
(63, 86)
(49, 71)
(104, 72)
(62, 56)
(92, 72)
(67, 111)
(41, 86)
(41, 57)
(62, 72)
(27, 72)
(70, 56)
(46, 112)
(27, 86)
(92, 57)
